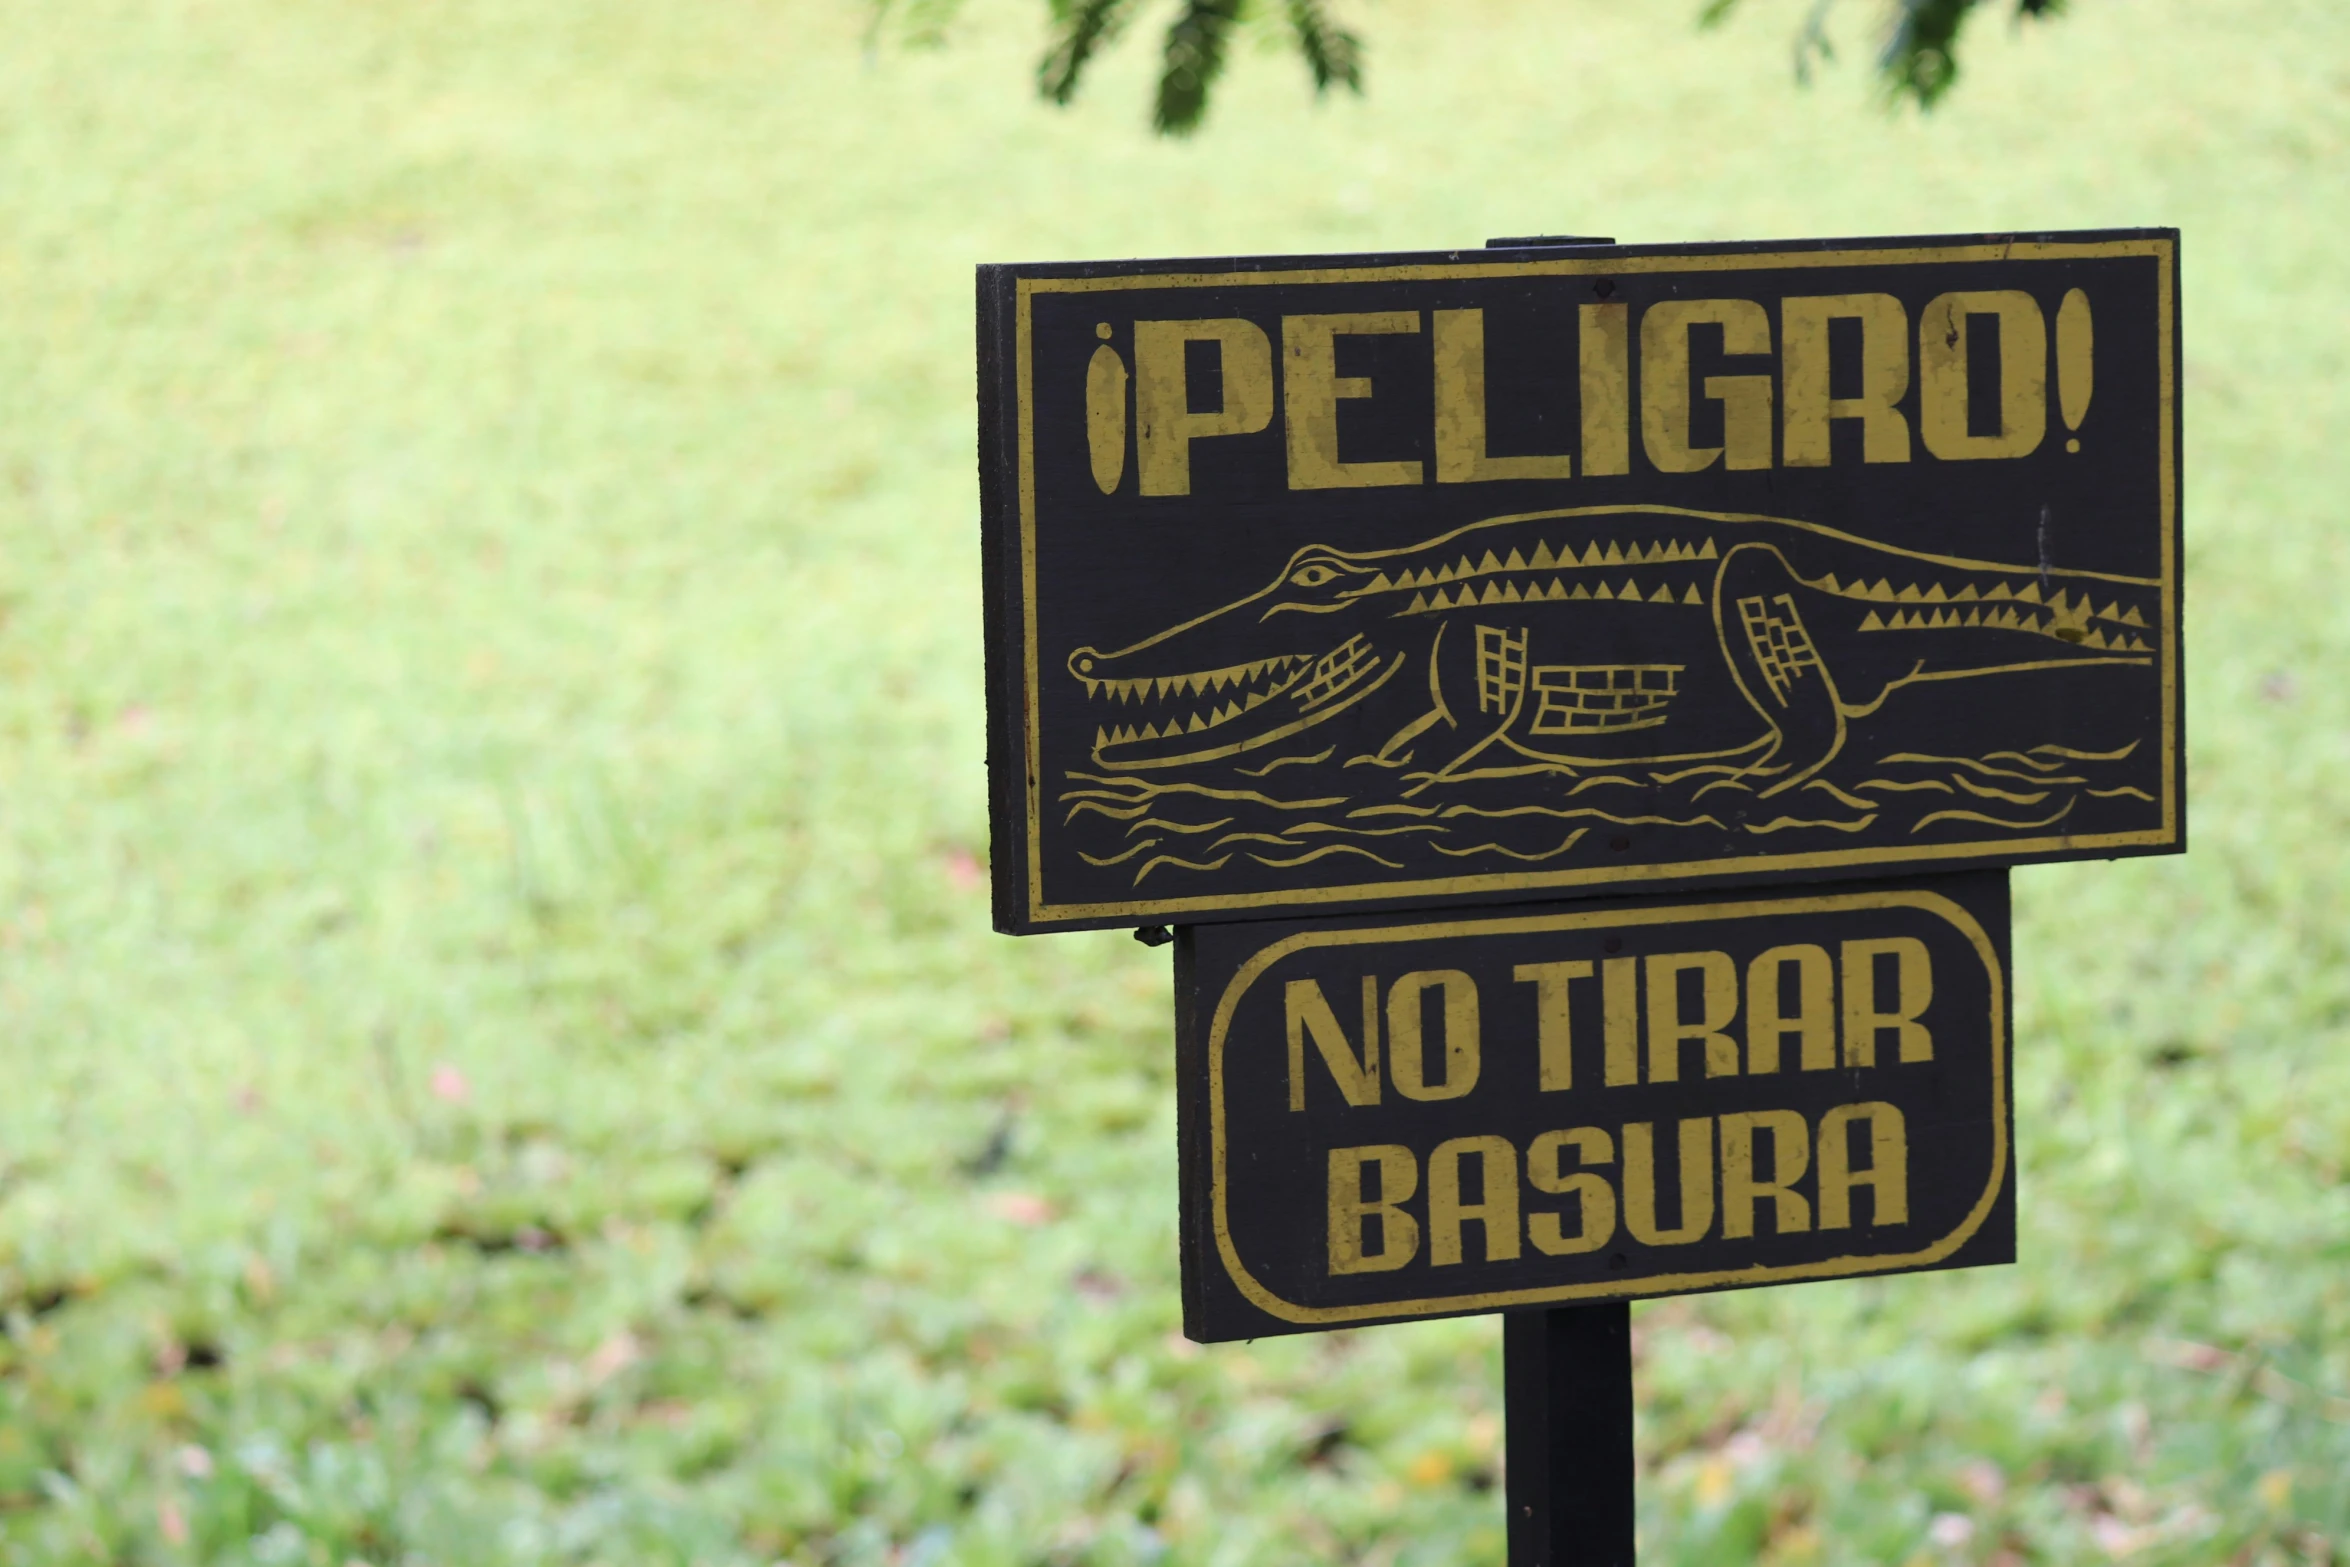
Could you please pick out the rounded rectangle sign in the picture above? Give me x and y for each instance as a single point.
(1519, 1108)
(1331, 584)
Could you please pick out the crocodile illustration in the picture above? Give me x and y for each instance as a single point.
(1595, 637)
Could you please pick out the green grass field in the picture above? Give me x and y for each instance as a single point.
(505, 1058)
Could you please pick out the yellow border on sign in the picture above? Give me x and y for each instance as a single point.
(2163, 251)
(1659, 1284)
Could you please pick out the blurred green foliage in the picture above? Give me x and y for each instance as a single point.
(506, 1062)
(1917, 60)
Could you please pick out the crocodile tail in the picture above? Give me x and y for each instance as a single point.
(1776, 662)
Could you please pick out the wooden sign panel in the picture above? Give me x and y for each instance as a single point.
(1393, 1118)
(1350, 582)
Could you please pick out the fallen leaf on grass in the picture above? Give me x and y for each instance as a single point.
(1982, 1480)
(963, 869)
(2115, 1538)
(1098, 1287)
(615, 1355)
(1430, 1468)
(1020, 1207)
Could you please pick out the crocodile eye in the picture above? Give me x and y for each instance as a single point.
(1312, 576)
(1085, 666)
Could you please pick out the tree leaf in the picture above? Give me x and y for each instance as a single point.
(1334, 55)
(1081, 29)
(1193, 60)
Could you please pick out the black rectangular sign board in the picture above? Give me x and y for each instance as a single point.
(1330, 584)
(1397, 1117)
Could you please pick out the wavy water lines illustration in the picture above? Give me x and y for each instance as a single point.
(1566, 843)
(1987, 792)
(1320, 756)
(1996, 821)
(1115, 859)
(1182, 864)
(1166, 832)
(1326, 850)
(1783, 823)
(1366, 832)
(1840, 796)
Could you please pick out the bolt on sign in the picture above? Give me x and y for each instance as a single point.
(1413, 1116)
(1318, 585)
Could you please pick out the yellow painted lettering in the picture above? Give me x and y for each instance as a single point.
(1913, 993)
(1697, 1183)
(1399, 1232)
(1312, 388)
(1665, 391)
(1310, 1017)
(1405, 1056)
(1887, 1174)
(1164, 424)
(1741, 1189)
(1595, 1197)
(1942, 374)
(1604, 359)
(1461, 457)
(1552, 1039)
(1814, 1019)
(1496, 1209)
(1105, 417)
(1619, 1015)
(1884, 376)
(1667, 1029)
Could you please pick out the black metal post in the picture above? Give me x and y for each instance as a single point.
(1567, 1416)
